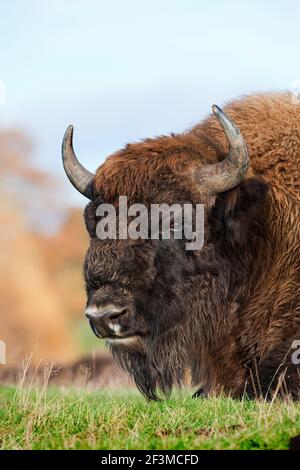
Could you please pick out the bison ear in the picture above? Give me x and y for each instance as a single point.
(239, 213)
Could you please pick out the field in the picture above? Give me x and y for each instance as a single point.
(72, 419)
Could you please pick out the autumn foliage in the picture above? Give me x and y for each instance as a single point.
(41, 288)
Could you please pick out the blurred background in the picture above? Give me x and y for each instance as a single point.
(119, 71)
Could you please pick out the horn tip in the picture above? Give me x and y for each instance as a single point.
(216, 109)
(68, 137)
(70, 129)
(67, 141)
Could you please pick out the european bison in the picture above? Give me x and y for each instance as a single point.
(225, 317)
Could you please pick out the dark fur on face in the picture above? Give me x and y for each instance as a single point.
(222, 318)
(180, 296)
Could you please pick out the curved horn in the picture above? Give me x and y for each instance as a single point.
(80, 178)
(228, 173)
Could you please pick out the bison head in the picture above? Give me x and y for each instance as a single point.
(159, 305)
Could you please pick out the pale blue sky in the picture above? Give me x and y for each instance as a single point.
(121, 70)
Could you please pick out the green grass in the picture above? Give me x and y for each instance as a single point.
(72, 419)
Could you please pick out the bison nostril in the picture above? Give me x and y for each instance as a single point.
(101, 315)
(116, 315)
(106, 320)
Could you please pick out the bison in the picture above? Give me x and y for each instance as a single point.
(224, 318)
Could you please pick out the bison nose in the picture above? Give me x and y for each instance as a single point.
(105, 320)
(109, 312)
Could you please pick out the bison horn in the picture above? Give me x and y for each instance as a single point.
(229, 172)
(80, 178)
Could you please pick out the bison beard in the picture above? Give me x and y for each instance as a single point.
(222, 318)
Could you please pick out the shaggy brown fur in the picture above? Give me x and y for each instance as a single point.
(226, 315)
